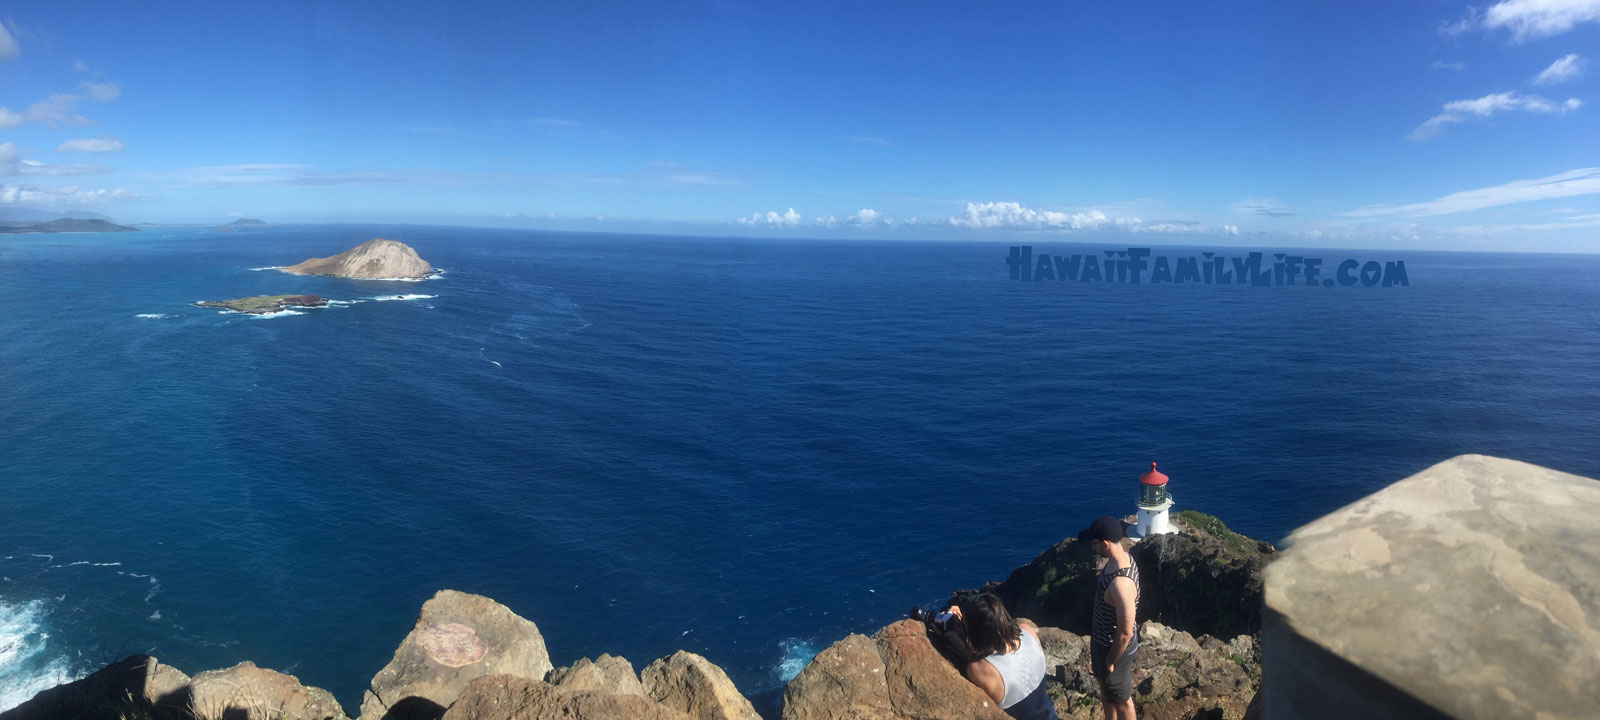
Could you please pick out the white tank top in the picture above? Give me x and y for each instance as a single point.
(1021, 670)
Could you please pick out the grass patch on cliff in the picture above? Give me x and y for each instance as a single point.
(1234, 542)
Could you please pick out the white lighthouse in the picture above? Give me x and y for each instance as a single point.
(1153, 504)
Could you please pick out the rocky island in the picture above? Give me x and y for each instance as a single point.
(242, 223)
(265, 304)
(375, 259)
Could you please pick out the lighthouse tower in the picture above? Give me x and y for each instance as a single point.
(1153, 504)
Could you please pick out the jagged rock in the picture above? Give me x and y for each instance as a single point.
(137, 684)
(247, 692)
(507, 697)
(607, 674)
(694, 685)
(922, 684)
(457, 638)
(375, 258)
(1175, 677)
(1203, 578)
(1159, 637)
(895, 675)
(844, 682)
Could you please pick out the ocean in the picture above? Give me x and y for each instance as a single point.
(742, 448)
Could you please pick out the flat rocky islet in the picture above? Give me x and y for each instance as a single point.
(265, 304)
(375, 259)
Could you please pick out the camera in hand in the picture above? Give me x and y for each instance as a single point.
(938, 620)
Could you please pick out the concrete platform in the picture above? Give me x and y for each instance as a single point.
(1469, 590)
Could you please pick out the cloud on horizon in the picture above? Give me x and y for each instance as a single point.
(1582, 181)
(789, 219)
(64, 197)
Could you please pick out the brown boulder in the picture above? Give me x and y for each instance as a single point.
(247, 692)
(507, 697)
(916, 683)
(695, 686)
(457, 638)
(136, 684)
(844, 682)
(607, 674)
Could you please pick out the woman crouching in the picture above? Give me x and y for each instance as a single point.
(1008, 662)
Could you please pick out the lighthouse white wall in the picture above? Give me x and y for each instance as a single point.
(1152, 522)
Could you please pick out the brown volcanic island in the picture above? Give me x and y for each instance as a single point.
(374, 259)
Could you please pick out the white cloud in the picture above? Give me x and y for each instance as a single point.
(8, 44)
(1530, 19)
(66, 196)
(1014, 215)
(1458, 111)
(9, 119)
(55, 111)
(1442, 65)
(827, 221)
(79, 66)
(865, 216)
(788, 219)
(1583, 181)
(1230, 229)
(104, 92)
(92, 145)
(13, 161)
(1567, 68)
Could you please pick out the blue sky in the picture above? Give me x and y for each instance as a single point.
(1410, 125)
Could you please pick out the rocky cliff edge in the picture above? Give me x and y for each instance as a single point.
(468, 657)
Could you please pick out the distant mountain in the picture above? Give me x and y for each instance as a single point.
(11, 215)
(248, 221)
(66, 225)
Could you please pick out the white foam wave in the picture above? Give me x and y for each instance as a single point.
(153, 316)
(383, 298)
(795, 654)
(270, 267)
(23, 641)
(278, 314)
(434, 275)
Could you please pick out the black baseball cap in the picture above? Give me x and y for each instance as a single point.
(1104, 527)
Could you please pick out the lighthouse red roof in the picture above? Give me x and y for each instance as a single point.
(1153, 477)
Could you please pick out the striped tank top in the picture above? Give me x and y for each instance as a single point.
(1104, 629)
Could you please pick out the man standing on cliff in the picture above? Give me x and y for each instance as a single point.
(1113, 639)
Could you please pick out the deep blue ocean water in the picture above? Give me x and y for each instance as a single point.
(742, 448)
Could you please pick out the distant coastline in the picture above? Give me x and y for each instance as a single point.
(66, 225)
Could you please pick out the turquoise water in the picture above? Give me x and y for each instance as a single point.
(741, 448)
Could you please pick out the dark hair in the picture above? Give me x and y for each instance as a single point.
(990, 628)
